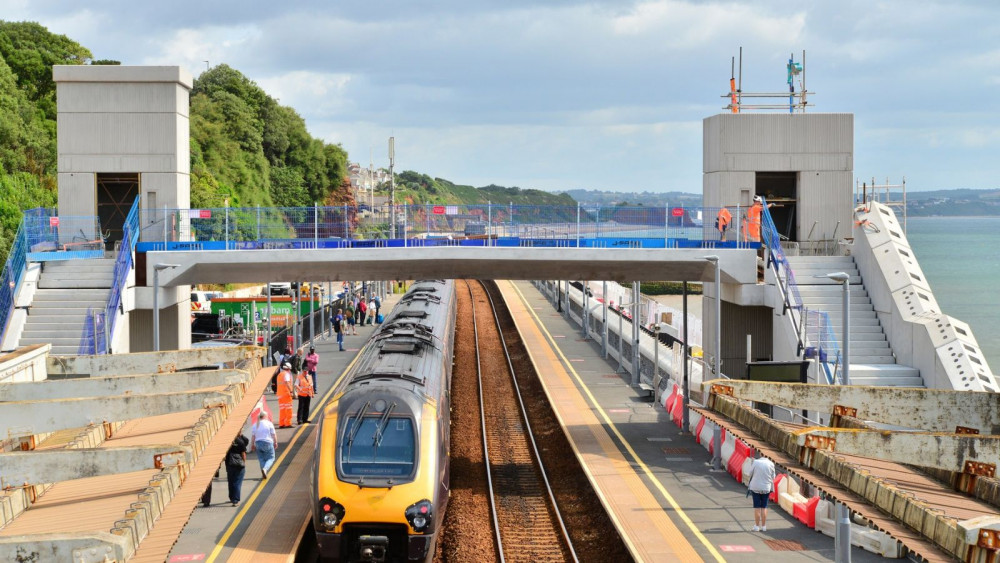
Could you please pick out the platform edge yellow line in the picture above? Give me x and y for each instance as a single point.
(607, 420)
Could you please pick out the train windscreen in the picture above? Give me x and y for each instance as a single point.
(378, 447)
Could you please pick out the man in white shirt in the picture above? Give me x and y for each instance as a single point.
(265, 441)
(761, 484)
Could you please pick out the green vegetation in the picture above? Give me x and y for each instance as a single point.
(248, 149)
(414, 187)
(668, 288)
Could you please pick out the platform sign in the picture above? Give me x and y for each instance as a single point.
(677, 212)
(200, 214)
(451, 209)
(53, 221)
(439, 210)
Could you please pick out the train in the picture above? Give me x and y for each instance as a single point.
(380, 475)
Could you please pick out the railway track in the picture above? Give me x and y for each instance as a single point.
(527, 522)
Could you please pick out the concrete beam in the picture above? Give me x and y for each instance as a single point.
(19, 418)
(620, 264)
(119, 385)
(150, 362)
(53, 466)
(933, 410)
(926, 449)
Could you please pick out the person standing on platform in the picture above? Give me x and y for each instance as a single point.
(378, 305)
(338, 326)
(305, 392)
(265, 442)
(236, 466)
(362, 310)
(349, 317)
(760, 487)
(285, 390)
(722, 221)
(312, 360)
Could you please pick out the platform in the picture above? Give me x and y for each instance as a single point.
(654, 480)
(269, 522)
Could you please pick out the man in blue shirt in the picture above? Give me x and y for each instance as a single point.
(338, 327)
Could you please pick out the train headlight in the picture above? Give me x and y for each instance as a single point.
(331, 513)
(420, 515)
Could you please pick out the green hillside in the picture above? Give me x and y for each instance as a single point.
(417, 188)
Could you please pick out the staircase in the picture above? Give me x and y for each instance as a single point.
(871, 357)
(58, 312)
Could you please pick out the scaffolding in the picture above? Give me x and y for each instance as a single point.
(792, 101)
(890, 195)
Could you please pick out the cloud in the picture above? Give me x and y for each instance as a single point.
(574, 93)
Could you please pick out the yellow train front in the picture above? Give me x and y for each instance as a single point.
(380, 471)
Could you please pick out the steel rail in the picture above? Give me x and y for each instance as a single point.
(527, 428)
(482, 423)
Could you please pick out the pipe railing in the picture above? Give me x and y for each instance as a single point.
(474, 225)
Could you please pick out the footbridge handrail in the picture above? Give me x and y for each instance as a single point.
(825, 345)
(100, 329)
(231, 228)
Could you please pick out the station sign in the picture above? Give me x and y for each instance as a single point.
(53, 221)
(677, 212)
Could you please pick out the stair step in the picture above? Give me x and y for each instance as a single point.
(872, 359)
(820, 260)
(76, 304)
(79, 284)
(59, 265)
(50, 333)
(63, 341)
(46, 295)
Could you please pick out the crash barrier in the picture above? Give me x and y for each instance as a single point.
(737, 457)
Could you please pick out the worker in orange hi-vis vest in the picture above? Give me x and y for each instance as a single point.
(305, 392)
(754, 219)
(285, 390)
(722, 221)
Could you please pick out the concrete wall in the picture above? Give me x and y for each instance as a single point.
(122, 119)
(818, 147)
(943, 348)
(129, 120)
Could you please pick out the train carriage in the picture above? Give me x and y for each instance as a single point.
(380, 470)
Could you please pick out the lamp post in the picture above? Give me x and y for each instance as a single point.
(717, 432)
(844, 279)
(842, 531)
(718, 316)
(156, 302)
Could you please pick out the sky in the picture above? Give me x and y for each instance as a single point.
(598, 95)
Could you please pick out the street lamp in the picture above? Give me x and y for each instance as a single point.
(717, 433)
(718, 315)
(156, 301)
(842, 530)
(843, 278)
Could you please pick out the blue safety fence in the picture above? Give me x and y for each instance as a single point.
(53, 237)
(439, 225)
(13, 274)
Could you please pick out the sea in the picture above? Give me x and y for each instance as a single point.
(961, 258)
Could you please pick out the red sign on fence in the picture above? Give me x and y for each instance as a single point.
(203, 213)
(53, 221)
(439, 210)
(677, 212)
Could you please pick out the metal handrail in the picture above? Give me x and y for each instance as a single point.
(13, 274)
(123, 265)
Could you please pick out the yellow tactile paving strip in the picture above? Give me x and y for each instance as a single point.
(274, 533)
(156, 546)
(643, 523)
